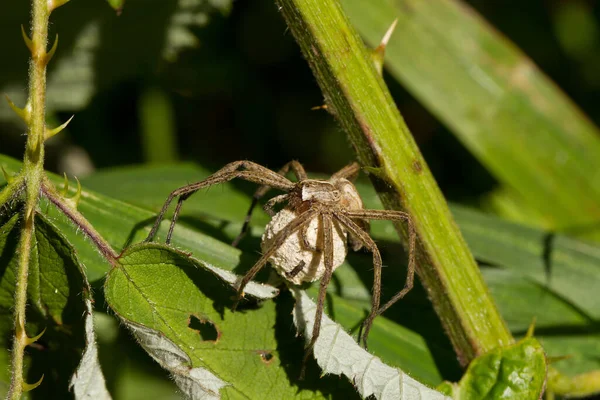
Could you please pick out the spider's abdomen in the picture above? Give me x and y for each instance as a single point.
(293, 252)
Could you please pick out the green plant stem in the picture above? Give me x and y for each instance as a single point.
(12, 189)
(82, 224)
(34, 171)
(359, 98)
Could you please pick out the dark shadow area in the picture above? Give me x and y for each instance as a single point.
(205, 328)
(564, 330)
(547, 255)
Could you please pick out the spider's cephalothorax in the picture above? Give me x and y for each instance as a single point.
(307, 239)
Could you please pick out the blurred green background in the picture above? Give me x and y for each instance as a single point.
(214, 82)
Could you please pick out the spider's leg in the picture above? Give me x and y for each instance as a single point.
(278, 240)
(410, 274)
(240, 169)
(304, 238)
(348, 172)
(412, 242)
(327, 234)
(296, 168)
(292, 274)
(364, 237)
(268, 207)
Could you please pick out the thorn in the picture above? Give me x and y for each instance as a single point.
(34, 339)
(7, 177)
(323, 107)
(51, 132)
(28, 217)
(65, 185)
(530, 329)
(73, 201)
(28, 387)
(54, 4)
(50, 54)
(379, 53)
(28, 42)
(77, 196)
(23, 113)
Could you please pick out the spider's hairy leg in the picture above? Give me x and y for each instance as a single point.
(349, 172)
(268, 207)
(364, 237)
(296, 168)
(278, 240)
(304, 238)
(292, 274)
(412, 244)
(239, 169)
(392, 215)
(327, 235)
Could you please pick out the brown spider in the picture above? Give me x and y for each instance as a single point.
(320, 218)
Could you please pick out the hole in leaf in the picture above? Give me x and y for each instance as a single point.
(266, 356)
(205, 328)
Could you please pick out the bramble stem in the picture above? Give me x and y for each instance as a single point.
(359, 98)
(82, 224)
(33, 169)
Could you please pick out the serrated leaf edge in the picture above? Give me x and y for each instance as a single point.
(338, 353)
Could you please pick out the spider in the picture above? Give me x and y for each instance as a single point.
(307, 239)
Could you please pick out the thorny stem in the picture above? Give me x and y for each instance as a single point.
(50, 192)
(358, 97)
(33, 170)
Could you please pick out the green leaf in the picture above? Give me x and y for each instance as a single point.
(516, 372)
(60, 298)
(496, 101)
(181, 316)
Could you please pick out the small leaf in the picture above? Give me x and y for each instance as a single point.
(338, 353)
(514, 372)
